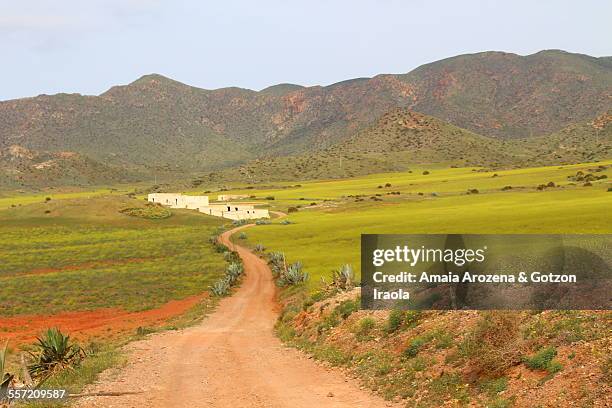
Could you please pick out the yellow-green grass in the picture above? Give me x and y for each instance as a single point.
(439, 180)
(325, 237)
(83, 254)
(16, 199)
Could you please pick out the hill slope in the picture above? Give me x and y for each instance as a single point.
(580, 142)
(156, 124)
(21, 167)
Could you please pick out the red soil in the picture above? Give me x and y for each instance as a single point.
(88, 324)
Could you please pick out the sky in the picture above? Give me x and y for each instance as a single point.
(88, 46)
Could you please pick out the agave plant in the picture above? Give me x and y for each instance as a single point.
(293, 275)
(5, 377)
(234, 271)
(344, 277)
(54, 352)
(277, 263)
(220, 288)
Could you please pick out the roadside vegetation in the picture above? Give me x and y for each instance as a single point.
(91, 257)
(433, 358)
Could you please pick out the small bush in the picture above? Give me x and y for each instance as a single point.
(292, 210)
(544, 360)
(242, 235)
(400, 319)
(364, 328)
(285, 222)
(271, 198)
(151, 212)
(346, 308)
(414, 347)
(395, 321)
(425, 173)
(259, 248)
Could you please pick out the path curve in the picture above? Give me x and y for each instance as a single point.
(231, 359)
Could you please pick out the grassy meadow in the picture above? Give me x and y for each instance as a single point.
(83, 254)
(326, 235)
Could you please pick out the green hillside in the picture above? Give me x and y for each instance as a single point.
(156, 126)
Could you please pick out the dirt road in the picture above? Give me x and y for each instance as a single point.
(231, 359)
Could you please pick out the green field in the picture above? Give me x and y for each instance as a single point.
(9, 200)
(327, 235)
(83, 254)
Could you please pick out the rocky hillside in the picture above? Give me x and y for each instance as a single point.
(580, 142)
(20, 167)
(156, 124)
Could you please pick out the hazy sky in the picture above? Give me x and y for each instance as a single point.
(86, 46)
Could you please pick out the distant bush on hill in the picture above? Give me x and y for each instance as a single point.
(151, 212)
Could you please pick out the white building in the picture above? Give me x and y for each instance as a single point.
(235, 211)
(175, 200)
(232, 211)
(229, 197)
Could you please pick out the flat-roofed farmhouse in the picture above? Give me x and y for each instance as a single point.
(233, 211)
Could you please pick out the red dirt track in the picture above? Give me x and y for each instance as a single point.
(87, 324)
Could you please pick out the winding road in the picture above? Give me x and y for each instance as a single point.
(231, 359)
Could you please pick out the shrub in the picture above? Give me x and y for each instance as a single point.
(292, 210)
(47, 199)
(364, 328)
(388, 185)
(346, 308)
(544, 360)
(492, 345)
(401, 319)
(425, 173)
(242, 235)
(473, 191)
(270, 198)
(151, 212)
(414, 346)
(395, 321)
(285, 222)
(259, 248)
(54, 353)
(262, 222)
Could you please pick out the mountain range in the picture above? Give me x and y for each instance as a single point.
(484, 108)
